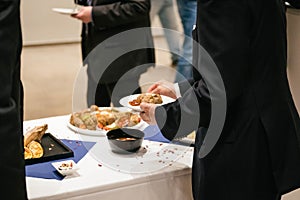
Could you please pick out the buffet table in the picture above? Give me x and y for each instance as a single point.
(159, 173)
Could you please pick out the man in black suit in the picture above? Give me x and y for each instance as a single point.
(104, 22)
(248, 130)
(12, 168)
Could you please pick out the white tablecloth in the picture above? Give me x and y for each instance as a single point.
(92, 181)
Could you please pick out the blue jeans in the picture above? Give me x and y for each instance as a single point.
(165, 10)
(187, 10)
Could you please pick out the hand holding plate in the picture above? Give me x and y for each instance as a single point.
(84, 14)
(163, 88)
(148, 112)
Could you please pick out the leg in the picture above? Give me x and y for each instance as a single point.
(166, 16)
(187, 12)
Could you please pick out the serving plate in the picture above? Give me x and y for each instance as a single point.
(97, 132)
(53, 149)
(100, 132)
(65, 11)
(125, 101)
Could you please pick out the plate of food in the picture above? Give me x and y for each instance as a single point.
(97, 121)
(66, 167)
(134, 101)
(66, 11)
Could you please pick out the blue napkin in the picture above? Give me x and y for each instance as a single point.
(47, 171)
(153, 133)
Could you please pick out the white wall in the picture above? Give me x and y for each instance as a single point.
(40, 25)
(293, 29)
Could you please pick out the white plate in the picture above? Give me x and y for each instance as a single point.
(65, 170)
(99, 132)
(66, 11)
(125, 101)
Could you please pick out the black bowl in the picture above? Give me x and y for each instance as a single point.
(125, 140)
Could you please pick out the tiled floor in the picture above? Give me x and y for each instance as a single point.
(49, 73)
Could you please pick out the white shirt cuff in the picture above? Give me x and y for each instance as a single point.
(177, 90)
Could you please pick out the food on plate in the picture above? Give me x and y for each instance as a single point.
(32, 142)
(36, 149)
(27, 153)
(35, 133)
(103, 118)
(106, 116)
(147, 98)
(85, 120)
(65, 166)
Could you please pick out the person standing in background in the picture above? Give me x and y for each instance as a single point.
(103, 19)
(187, 11)
(164, 9)
(12, 163)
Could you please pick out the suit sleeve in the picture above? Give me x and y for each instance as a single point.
(81, 2)
(120, 13)
(223, 33)
(294, 3)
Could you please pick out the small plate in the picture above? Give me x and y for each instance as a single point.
(125, 101)
(66, 167)
(66, 11)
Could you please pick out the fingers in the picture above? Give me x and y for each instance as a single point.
(148, 114)
(145, 117)
(156, 90)
(152, 88)
(84, 14)
(145, 107)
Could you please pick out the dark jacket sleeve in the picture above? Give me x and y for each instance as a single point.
(120, 13)
(81, 2)
(224, 73)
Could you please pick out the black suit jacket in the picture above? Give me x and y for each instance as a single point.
(257, 153)
(111, 18)
(12, 169)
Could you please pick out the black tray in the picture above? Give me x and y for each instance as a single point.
(53, 149)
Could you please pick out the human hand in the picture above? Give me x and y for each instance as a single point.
(148, 113)
(164, 88)
(84, 14)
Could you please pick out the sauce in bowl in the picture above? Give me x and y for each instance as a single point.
(126, 139)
